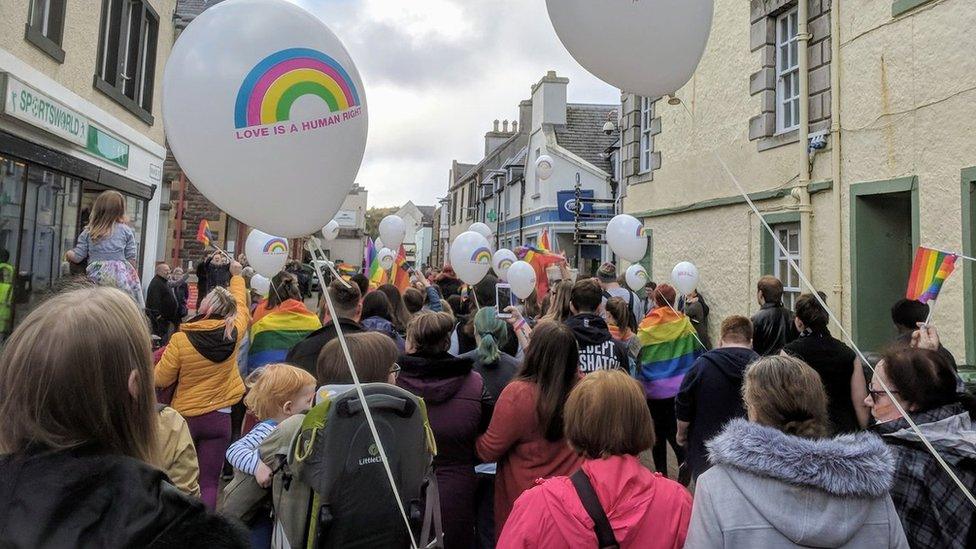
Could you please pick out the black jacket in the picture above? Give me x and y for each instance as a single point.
(597, 349)
(834, 361)
(76, 499)
(711, 396)
(772, 329)
(160, 300)
(305, 353)
(498, 374)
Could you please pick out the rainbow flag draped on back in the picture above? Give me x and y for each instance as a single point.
(539, 259)
(668, 350)
(276, 331)
(929, 272)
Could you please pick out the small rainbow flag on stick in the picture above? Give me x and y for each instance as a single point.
(204, 235)
(929, 272)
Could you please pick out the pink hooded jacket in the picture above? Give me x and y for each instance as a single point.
(645, 509)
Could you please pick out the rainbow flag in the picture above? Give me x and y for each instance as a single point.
(368, 254)
(539, 259)
(401, 271)
(544, 244)
(204, 234)
(930, 271)
(668, 351)
(377, 274)
(276, 331)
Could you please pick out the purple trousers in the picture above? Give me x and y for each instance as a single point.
(211, 436)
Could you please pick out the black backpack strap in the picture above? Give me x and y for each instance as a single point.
(601, 524)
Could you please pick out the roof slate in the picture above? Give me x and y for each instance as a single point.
(583, 133)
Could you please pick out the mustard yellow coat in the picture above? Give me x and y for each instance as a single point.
(204, 385)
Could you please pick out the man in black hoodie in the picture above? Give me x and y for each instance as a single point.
(597, 349)
(348, 304)
(711, 393)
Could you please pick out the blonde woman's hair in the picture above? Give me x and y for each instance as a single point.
(785, 393)
(64, 378)
(220, 304)
(109, 209)
(272, 386)
(559, 304)
(606, 415)
(430, 332)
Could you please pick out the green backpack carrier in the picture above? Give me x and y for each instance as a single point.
(332, 489)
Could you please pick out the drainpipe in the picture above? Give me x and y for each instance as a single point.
(835, 156)
(801, 191)
(180, 208)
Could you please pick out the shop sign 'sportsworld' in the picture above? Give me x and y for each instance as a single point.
(33, 107)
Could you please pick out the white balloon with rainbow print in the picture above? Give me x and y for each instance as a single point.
(266, 254)
(470, 257)
(685, 277)
(501, 261)
(625, 235)
(387, 258)
(265, 112)
(636, 277)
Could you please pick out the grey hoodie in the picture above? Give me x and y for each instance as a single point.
(769, 489)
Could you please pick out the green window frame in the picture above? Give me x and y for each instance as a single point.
(899, 7)
(968, 190)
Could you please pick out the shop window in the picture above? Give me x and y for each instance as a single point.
(45, 27)
(126, 66)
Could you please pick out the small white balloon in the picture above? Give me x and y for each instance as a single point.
(266, 253)
(312, 244)
(543, 167)
(482, 229)
(470, 257)
(685, 277)
(636, 277)
(331, 231)
(521, 276)
(670, 34)
(625, 235)
(392, 231)
(501, 261)
(387, 257)
(261, 284)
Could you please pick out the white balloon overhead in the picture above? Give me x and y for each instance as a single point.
(482, 229)
(331, 231)
(501, 261)
(544, 167)
(261, 284)
(392, 231)
(521, 276)
(636, 277)
(265, 111)
(671, 34)
(685, 277)
(387, 258)
(266, 253)
(470, 257)
(625, 235)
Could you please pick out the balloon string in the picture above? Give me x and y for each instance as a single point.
(847, 335)
(693, 331)
(362, 397)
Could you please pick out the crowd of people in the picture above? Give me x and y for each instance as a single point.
(549, 422)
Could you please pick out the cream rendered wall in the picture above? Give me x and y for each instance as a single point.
(80, 45)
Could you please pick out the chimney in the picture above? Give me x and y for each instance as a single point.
(525, 115)
(514, 126)
(549, 101)
(497, 136)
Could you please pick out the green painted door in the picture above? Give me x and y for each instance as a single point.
(883, 254)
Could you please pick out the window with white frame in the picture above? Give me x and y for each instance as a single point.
(646, 144)
(788, 235)
(787, 73)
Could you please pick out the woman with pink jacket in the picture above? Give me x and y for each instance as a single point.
(608, 424)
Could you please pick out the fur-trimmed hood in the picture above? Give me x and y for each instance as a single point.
(815, 493)
(857, 465)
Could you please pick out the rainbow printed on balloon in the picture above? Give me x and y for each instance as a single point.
(276, 246)
(481, 255)
(505, 263)
(271, 88)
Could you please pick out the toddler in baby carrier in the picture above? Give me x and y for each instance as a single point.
(334, 490)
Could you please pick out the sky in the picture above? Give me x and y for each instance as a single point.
(437, 73)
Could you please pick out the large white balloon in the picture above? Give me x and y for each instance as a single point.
(261, 284)
(266, 253)
(264, 110)
(386, 257)
(625, 235)
(670, 36)
(501, 261)
(543, 167)
(470, 257)
(331, 231)
(636, 277)
(392, 231)
(685, 277)
(521, 276)
(482, 229)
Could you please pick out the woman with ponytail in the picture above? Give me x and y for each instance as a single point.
(778, 480)
(201, 360)
(933, 510)
(495, 366)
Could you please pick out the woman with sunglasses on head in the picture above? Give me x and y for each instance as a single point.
(933, 510)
